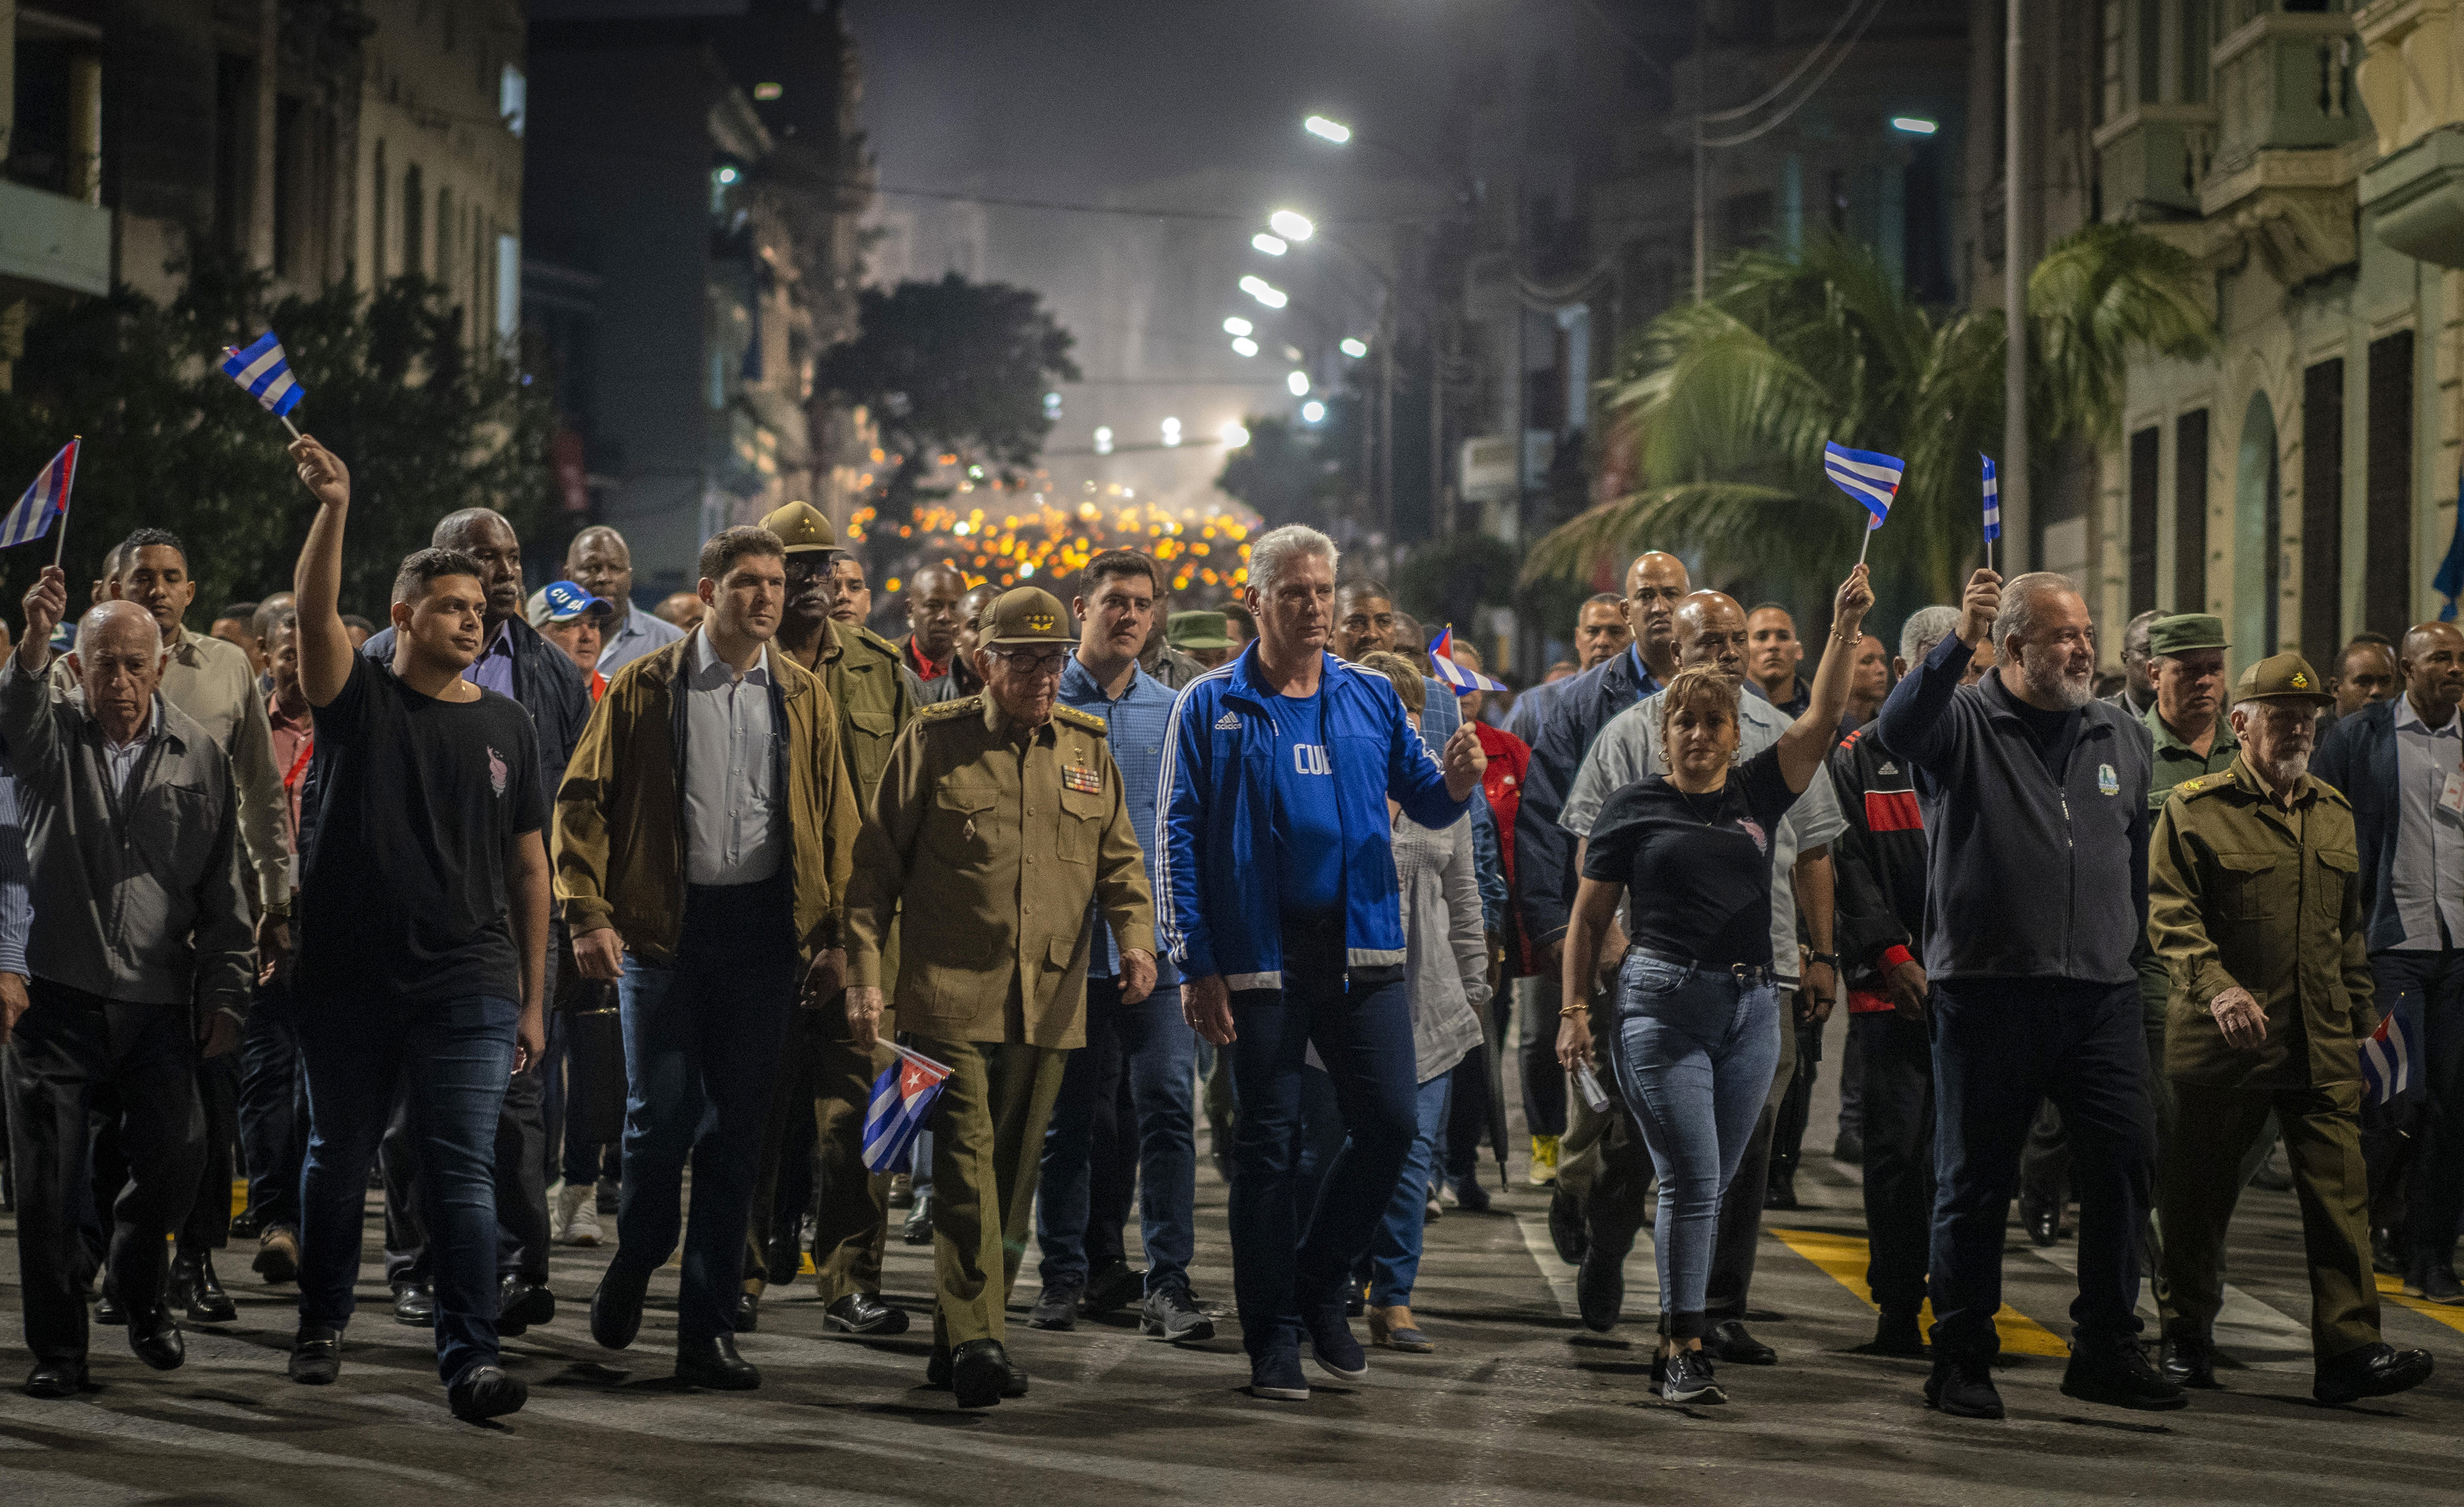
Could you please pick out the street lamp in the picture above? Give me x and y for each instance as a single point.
(1355, 348)
(1235, 434)
(1264, 292)
(1914, 124)
(1236, 325)
(1103, 442)
(1272, 246)
(1299, 383)
(1291, 225)
(1313, 411)
(1245, 345)
(1335, 132)
(1171, 432)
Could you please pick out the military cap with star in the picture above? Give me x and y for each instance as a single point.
(1026, 615)
(801, 526)
(2282, 677)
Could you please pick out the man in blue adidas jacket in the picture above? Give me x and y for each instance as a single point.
(1277, 899)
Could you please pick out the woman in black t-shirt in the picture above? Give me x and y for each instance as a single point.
(1697, 1016)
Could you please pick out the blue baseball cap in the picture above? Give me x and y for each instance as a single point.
(563, 602)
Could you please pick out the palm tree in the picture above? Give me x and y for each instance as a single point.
(1726, 404)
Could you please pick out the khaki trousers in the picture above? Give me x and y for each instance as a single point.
(2202, 1176)
(988, 1151)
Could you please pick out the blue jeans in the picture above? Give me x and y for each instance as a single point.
(1696, 1053)
(1364, 1036)
(456, 1057)
(1151, 1043)
(1999, 1046)
(1394, 1252)
(702, 1042)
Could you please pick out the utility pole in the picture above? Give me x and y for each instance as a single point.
(2017, 550)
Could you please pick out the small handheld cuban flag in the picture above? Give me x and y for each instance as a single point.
(902, 1098)
(1992, 509)
(1463, 680)
(266, 374)
(1870, 476)
(48, 498)
(2388, 1056)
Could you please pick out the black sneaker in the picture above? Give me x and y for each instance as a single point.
(1276, 1376)
(1898, 1332)
(1056, 1307)
(1172, 1316)
(1687, 1377)
(2189, 1361)
(2116, 1373)
(1331, 1340)
(2434, 1284)
(1600, 1289)
(1962, 1386)
(1567, 1230)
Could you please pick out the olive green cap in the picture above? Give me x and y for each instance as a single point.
(801, 526)
(1026, 615)
(2282, 677)
(1197, 629)
(2184, 632)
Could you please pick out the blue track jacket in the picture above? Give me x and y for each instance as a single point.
(1218, 909)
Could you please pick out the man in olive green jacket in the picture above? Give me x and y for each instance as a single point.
(704, 835)
(999, 821)
(2255, 905)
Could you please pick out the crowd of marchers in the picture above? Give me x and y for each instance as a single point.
(529, 904)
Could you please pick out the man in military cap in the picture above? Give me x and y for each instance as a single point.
(1202, 637)
(1000, 819)
(2254, 906)
(824, 1081)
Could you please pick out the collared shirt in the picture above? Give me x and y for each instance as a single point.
(735, 823)
(637, 635)
(494, 669)
(1140, 718)
(2427, 882)
(293, 741)
(2176, 761)
(120, 760)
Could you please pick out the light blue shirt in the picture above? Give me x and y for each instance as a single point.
(1139, 720)
(2427, 881)
(639, 633)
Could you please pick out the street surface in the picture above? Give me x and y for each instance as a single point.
(1519, 1404)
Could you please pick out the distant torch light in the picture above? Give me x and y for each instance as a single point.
(1291, 226)
(1335, 132)
(1313, 411)
(1355, 349)
(1236, 325)
(1298, 382)
(1269, 244)
(1915, 125)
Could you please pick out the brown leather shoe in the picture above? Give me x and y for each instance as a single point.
(277, 1255)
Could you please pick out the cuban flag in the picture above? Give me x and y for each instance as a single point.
(1868, 475)
(1993, 502)
(2388, 1057)
(266, 374)
(902, 1098)
(45, 499)
(1463, 681)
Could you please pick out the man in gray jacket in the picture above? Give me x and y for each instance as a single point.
(141, 963)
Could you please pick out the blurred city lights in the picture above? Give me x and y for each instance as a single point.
(1335, 132)
(1313, 411)
(1172, 432)
(1235, 434)
(1269, 244)
(1246, 346)
(1200, 551)
(1355, 348)
(727, 175)
(1915, 125)
(1291, 225)
(1264, 292)
(1236, 325)
(1298, 382)
(1103, 442)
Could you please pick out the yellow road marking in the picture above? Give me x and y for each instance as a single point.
(1843, 1257)
(2391, 1289)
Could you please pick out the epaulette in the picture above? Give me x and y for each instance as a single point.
(2332, 793)
(951, 711)
(2191, 790)
(1087, 721)
(869, 636)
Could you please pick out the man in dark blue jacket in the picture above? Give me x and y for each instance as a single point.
(1276, 895)
(2037, 891)
(2397, 761)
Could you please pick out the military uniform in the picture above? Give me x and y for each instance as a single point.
(2245, 891)
(824, 1069)
(992, 838)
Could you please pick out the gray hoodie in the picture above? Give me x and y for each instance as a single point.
(1446, 949)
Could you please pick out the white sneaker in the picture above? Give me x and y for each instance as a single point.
(577, 1215)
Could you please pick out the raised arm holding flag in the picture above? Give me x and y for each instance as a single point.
(1870, 476)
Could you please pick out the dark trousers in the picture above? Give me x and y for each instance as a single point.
(207, 1226)
(1149, 1054)
(1796, 1100)
(701, 1046)
(1466, 1116)
(67, 1044)
(2000, 1044)
(455, 1056)
(1896, 1054)
(1543, 1080)
(2430, 986)
(1364, 1036)
(783, 1179)
(273, 1108)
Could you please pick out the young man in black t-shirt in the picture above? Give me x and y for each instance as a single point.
(423, 919)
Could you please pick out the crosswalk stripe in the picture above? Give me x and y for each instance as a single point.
(2392, 1289)
(1641, 1271)
(1843, 1259)
(2253, 1334)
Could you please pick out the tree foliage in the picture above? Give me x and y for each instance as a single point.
(393, 386)
(1727, 404)
(1283, 472)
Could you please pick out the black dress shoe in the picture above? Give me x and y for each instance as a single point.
(486, 1392)
(2374, 1371)
(2384, 1258)
(520, 1304)
(414, 1304)
(938, 1370)
(980, 1374)
(748, 1313)
(157, 1341)
(862, 1314)
(616, 1308)
(2044, 1220)
(1729, 1342)
(1567, 1230)
(1898, 1332)
(2116, 1373)
(918, 1229)
(2189, 1361)
(194, 1290)
(1599, 1289)
(1781, 1193)
(714, 1362)
(56, 1379)
(315, 1355)
(106, 1308)
(245, 1225)
(1116, 1286)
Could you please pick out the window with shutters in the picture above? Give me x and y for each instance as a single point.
(2144, 461)
(2191, 512)
(2387, 484)
(2323, 511)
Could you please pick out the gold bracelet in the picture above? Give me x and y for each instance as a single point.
(1564, 1011)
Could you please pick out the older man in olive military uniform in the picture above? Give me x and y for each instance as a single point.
(1000, 819)
(2255, 905)
(825, 1081)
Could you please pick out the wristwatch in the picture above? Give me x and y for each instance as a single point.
(1828, 959)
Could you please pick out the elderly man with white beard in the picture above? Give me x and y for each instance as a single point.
(2036, 879)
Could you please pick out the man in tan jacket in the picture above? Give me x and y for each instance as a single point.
(703, 838)
(999, 821)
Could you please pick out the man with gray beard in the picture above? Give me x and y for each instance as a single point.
(2037, 885)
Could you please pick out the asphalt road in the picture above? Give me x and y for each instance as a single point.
(1518, 1405)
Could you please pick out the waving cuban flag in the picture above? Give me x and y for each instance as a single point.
(1463, 680)
(266, 374)
(2388, 1056)
(48, 498)
(902, 1098)
(1868, 475)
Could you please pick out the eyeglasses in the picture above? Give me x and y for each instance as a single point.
(1034, 665)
